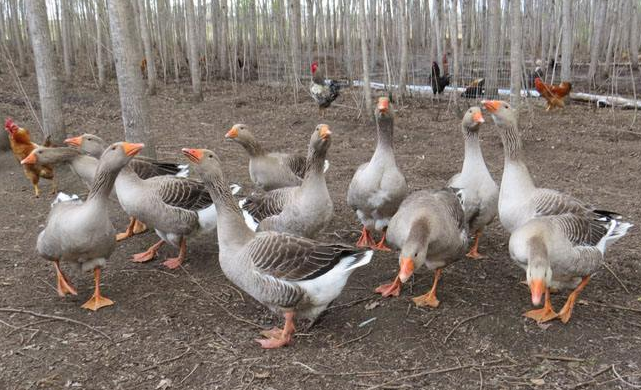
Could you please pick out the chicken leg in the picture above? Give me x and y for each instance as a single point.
(474, 250)
(391, 289)
(566, 311)
(275, 337)
(544, 314)
(97, 300)
(64, 286)
(175, 262)
(430, 299)
(366, 240)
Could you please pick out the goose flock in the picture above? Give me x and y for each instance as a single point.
(267, 240)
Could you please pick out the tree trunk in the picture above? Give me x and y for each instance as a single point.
(133, 101)
(66, 39)
(100, 42)
(48, 82)
(403, 43)
(149, 52)
(454, 40)
(253, 36)
(224, 38)
(595, 47)
(17, 38)
(192, 42)
(492, 62)
(566, 46)
(294, 7)
(365, 58)
(612, 37)
(515, 52)
(545, 31)
(634, 35)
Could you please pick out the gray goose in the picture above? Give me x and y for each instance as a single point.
(429, 228)
(557, 239)
(176, 207)
(81, 232)
(305, 210)
(480, 192)
(291, 275)
(144, 167)
(82, 164)
(378, 187)
(269, 170)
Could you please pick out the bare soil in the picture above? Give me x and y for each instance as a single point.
(190, 329)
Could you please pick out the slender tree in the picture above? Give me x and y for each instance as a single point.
(100, 43)
(149, 53)
(566, 46)
(492, 61)
(516, 42)
(403, 45)
(127, 54)
(595, 47)
(634, 35)
(48, 82)
(14, 20)
(365, 58)
(192, 43)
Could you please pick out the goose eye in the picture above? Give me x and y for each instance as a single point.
(113, 148)
(416, 254)
(210, 156)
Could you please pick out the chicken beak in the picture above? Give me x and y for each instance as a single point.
(407, 269)
(194, 155)
(491, 105)
(10, 126)
(537, 288)
(231, 134)
(31, 159)
(325, 132)
(477, 117)
(74, 141)
(132, 149)
(383, 104)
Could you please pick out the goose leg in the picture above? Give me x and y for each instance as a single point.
(566, 311)
(97, 300)
(391, 289)
(276, 337)
(64, 286)
(139, 227)
(175, 262)
(366, 240)
(381, 244)
(545, 314)
(127, 233)
(430, 299)
(149, 254)
(474, 250)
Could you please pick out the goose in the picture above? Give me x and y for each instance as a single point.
(81, 232)
(144, 167)
(378, 186)
(269, 170)
(292, 276)
(176, 207)
(429, 228)
(305, 210)
(479, 189)
(83, 165)
(559, 240)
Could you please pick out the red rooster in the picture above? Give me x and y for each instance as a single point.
(322, 93)
(553, 94)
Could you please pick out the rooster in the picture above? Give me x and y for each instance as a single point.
(322, 93)
(474, 89)
(553, 94)
(21, 146)
(440, 82)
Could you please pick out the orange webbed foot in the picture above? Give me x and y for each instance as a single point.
(365, 241)
(173, 262)
(541, 315)
(391, 289)
(274, 342)
(274, 332)
(63, 287)
(475, 255)
(144, 256)
(428, 299)
(139, 227)
(96, 302)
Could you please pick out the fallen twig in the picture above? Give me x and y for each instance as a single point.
(352, 303)
(173, 359)
(58, 318)
(190, 372)
(619, 377)
(355, 339)
(461, 323)
(614, 306)
(559, 358)
(616, 277)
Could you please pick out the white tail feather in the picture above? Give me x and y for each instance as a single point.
(249, 220)
(62, 197)
(616, 230)
(326, 166)
(364, 260)
(235, 188)
(184, 170)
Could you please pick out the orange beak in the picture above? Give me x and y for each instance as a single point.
(75, 141)
(537, 288)
(325, 132)
(132, 149)
(31, 159)
(195, 155)
(477, 117)
(383, 104)
(491, 105)
(407, 269)
(232, 133)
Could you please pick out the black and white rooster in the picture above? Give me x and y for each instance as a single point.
(323, 93)
(440, 82)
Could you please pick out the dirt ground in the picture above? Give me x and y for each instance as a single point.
(190, 329)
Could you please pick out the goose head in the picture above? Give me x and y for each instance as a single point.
(88, 143)
(321, 139)
(502, 112)
(117, 155)
(414, 250)
(239, 133)
(384, 109)
(206, 162)
(472, 119)
(51, 156)
(539, 272)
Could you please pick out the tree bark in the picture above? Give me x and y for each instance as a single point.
(149, 52)
(599, 21)
(294, 6)
(48, 83)
(100, 42)
(192, 42)
(403, 44)
(66, 39)
(515, 52)
(365, 58)
(634, 36)
(310, 34)
(491, 83)
(566, 46)
(133, 101)
(17, 38)
(454, 40)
